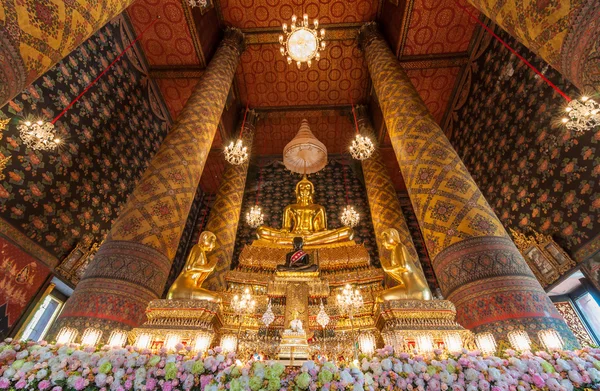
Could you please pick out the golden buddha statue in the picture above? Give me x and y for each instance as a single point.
(404, 270)
(304, 219)
(196, 270)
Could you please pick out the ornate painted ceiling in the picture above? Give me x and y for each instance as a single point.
(430, 37)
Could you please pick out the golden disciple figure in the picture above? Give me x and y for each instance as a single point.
(404, 270)
(305, 219)
(196, 270)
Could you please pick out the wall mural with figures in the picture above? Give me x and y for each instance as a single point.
(536, 174)
(51, 201)
(21, 277)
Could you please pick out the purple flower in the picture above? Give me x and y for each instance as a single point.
(4, 383)
(21, 384)
(44, 385)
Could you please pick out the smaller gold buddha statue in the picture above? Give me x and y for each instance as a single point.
(304, 219)
(196, 269)
(403, 269)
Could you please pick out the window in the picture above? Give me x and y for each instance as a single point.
(591, 311)
(42, 319)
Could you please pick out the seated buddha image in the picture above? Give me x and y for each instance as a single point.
(197, 268)
(297, 260)
(304, 219)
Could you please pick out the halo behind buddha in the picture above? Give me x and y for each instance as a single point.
(305, 154)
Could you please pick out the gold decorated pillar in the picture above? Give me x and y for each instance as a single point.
(132, 265)
(477, 265)
(226, 211)
(566, 33)
(386, 211)
(36, 35)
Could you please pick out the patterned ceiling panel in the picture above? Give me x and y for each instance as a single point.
(435, 87)
(332, 127)
(176, 92)
(340, 75)
(169, 41)
(438, 26)
(272, 13)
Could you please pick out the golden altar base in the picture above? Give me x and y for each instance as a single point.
(185, 318)
(266, 256)
(403, 320)
(293, 349)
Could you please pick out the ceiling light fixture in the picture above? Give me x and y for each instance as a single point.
(302, 43)
(582, 114)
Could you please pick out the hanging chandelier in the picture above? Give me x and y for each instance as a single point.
(243, 304)
(237, 153)
(350, 217)
(39, 135)
(582, 114)
(268, 317)
(302, 43)
(350, 300)
(322, 317)
(255, 217)
(362, 147)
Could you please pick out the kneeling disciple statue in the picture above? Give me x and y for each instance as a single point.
(197, 268)
(404, 269)
(297, 260)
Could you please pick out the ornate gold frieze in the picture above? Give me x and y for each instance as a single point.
(545, 257)
(266, 256)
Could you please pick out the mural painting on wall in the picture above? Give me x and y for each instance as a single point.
(60, 198)
(21, 277)
(545, 257)
(534, 172)
(277, 191)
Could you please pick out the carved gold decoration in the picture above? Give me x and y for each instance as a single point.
(401, 321)
(348, 256)
(196, 269)
(3, 164)
(74, 265)
(185, 318)
(575, 323)
(545, 257)
(305, 219)
(402, 267)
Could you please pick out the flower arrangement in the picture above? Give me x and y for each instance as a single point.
(45, 367)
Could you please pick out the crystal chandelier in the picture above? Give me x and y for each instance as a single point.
(243, 304)
(255, 217)
(301, 42)
(583, 114)
(322, 317)
(197, 3)
(362, 147)
(39, 135)
(350, 300)
(350, 217)
(268, 317)
(237, 153)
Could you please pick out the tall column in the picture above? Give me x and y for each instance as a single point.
(386, 211)
(477, 265)
(132, 266)
(226, 211)
(566, 33)
(36, 35)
